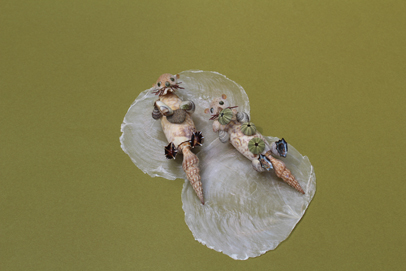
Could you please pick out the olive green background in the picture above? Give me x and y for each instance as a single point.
(328, 76)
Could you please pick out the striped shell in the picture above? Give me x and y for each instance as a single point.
(225, 116)
(223, 136)
(156, 114)
(242, 117)
(256, 145)
(248, 128)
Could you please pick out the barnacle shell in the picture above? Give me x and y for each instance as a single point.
(225, 116)
(256, 145)
(188, 106)
(248, 128)
(242, 117)
(224, 136)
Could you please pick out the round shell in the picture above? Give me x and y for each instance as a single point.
(256, 145)
(225, 116)
(248, 128)
(177, 117)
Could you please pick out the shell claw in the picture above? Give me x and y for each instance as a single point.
(170, 151)
(197, 139)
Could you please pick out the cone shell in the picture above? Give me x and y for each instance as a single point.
(256, 145)
(248, 128)
(156, 114)
(225, 116)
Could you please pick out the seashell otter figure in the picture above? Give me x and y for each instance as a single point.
(236, 127)
(178, 127)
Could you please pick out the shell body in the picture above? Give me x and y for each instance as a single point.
(181, 134)
(240, 141)
(176, 132)
(250, 143)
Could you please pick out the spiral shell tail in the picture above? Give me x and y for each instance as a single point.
(282, 172)
(191, 166)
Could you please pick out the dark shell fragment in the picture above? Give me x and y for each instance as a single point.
(265, 163)
(170, 151)
(197, 139)
(282, 147)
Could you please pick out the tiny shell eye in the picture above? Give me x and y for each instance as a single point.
(221, 102)
(167, 84)
(159, 84)
(172, 79)
(211, 110)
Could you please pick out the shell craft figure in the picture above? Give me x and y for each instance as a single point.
(235, 210)
(236, 127)
(178, 126)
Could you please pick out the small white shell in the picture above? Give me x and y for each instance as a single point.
(224, 136)
(257, 165)
(242, 117)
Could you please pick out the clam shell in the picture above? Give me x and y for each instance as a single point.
(188, 106)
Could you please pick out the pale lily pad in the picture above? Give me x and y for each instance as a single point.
(246, 213)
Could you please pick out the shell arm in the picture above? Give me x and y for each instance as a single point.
(223, 136)
(217, 126)
(189, 106)
(163, 108)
